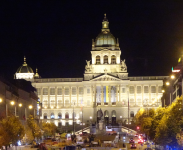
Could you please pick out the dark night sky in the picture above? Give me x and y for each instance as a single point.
(56, 37)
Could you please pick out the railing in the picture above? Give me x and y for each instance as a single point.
(58, 80)
(147, 78)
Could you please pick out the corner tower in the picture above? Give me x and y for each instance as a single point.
(105, 56)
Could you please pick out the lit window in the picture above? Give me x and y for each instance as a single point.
(52, 91)
(105, 59)
(80, 90)
(88, 90)
(73, 90)
(139, 90)
(66, 91)
(59, 92)
(52, 116)
(131, 89)
(45, 91)
(113, 59)
(153, 89)
(97, 59)
(146, 89)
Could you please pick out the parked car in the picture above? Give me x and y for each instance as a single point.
(140, 141)
(133, 146)
(131, 140)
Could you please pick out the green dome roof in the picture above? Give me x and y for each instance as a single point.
(25, 68)
(105, 39)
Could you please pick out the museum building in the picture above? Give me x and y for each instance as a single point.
(105, 85)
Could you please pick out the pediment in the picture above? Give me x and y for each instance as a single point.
(106, 78)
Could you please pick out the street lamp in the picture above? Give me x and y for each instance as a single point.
(20, 105)
(172, 76)
(1, 100)
(30, 106)
(167, 83)
(12, 102)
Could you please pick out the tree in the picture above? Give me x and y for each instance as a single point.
(33, 126)
(179, 138)
(11, 130)
(49, 129)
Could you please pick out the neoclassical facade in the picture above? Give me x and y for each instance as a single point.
(105, 85)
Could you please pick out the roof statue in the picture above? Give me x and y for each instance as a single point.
(88, 66)
(123, 65)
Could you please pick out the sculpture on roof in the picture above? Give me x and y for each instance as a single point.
(123, 65)
(88, 66)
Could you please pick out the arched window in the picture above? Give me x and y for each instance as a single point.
(45, 115)
(97, 59)
(105, 59)
(113, 114)
(52, 116)
(131, 114)
(113, 59)
(106, 113)
(59, 116)
(59, 124)
(66, 115)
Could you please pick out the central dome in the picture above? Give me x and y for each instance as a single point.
(105, 39)
(24, 68)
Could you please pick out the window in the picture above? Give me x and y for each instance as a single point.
(113, 59)
(131, 114)
(66, 115)
(45, 91)
(59, 116)
(131, 89)
(88, 90)
(146, 89)
(59, 91)
(139, 91)
(67, 102)
(73, 90)
(52, 116)
(66, 91)
(52, 91)
(123, 90)
(97, 59)
(105, 59)
(153, 89)
(52, 102)
(59, 124)
(45, 115)
(80, 90)
(38, 91)
(159, 89)
(88, 102)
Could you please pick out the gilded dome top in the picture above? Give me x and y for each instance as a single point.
(105, 38)
(24, 68)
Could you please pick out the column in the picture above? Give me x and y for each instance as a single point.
(116, 93)
(91, 94)
(157, 98)
(149, 94)
(48, 97)
(63, 91)
(142, 95)
(41, 100)
(94, 96)
(77, 94)
(56, 102)
(120, 92)
(70, 89)
(135, 94)
(102, 95)
(109, 95)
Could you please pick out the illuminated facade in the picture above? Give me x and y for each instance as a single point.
(106, 85)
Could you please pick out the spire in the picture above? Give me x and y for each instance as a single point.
(105, 25)
(36, 75)
(25, 64)
(117, 43)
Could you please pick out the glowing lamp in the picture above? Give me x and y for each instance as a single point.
(163, 91)
(12, 103)
(20, 105)
(172, 76)
(167, 83)
(30, 106)
(1, 100)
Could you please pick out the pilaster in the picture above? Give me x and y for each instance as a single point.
(48, 97)
(63, 92)
(56, 102)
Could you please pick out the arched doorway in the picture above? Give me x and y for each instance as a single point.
(106, 117)
(113, 115)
